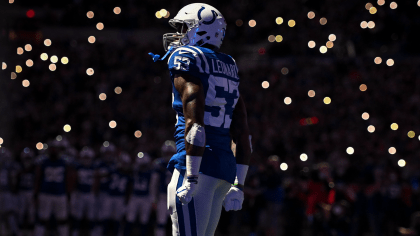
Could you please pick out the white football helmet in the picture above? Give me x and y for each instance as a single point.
(196, 24)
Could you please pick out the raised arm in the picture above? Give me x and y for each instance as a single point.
(193, 102)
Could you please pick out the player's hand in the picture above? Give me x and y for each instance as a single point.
(187, 191)
(233, 199)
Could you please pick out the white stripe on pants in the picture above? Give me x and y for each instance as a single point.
(206, 205)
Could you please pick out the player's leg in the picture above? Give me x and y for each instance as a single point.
(44, 213)
(216, 208)
(192, 218)
(162, 214)
(61, 213)
(76, 209)
(145, 210)
(119, 212)
(90, 211)
(11, 211)
(132, 210)
(107, 213)
(31, 212)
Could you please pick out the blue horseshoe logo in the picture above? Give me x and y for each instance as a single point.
(207, 22)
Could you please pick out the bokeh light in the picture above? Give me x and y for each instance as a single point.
(59, 138)
(163, 12)
(252, 23)
(279, 20)
(371, 128)
(368, 6)
(350, 150)
(28, 47)
(29, 63)
(365, 116)
(378, 60)
(47, 42)
(271, 38)
(90, 14)
(158, 15)
(311, 93)
(283, 166)
(118, 90)
(401, 163)
(411, 134)
(65, 60)
(371, 24)
(311, 15)
(373, 10)
(279, 38)
(291, 23)
(112, 124)
(394, 126)
(20, 51)
(3, 66)
(390, 62)
(100, 26)
(91, 39)
(67, 128)
(239, 22)
(140, 155)
(13, 75)
(311, 44)
(381, 2)
(363, 87)
(18, 69)
(332, 37)
(393, 5)
(323, 49)
(25, 83)
(52, 67)
(102, 96)
(44, 56)
(327, 100)
(90, 71)
(323, 21)
(303, 157)
(39, 146)
(392, 150)
(330, 44)
(1, 141)
(106, 144)
(138, 134)
(287, 100)
(54, 59)
(265, 84)
(284, 70)
(363, 25)
(117, 10)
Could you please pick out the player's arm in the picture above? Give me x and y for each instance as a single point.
(242, 150)
(193, 102)
(239, 132)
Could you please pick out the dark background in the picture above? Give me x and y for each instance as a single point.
(373, 194)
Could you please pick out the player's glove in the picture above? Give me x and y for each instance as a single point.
(234, 199)
(187, 191)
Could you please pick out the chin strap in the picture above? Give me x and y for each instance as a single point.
(156, 57)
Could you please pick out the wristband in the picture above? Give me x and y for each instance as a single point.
(241, 171)
(193, 165)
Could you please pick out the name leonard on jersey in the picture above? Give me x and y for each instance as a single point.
(223, 68)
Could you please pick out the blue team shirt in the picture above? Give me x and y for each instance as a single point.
(164, 175)
(54, 177)
(27, 180)
(142, 183)
(104, 170)
(85, 178)
(118, 183)
(218, 74)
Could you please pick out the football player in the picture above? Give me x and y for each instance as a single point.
(9, 201)
(118, 189)
(140, 201)
(160, 180)
(26, 184)
(51, 190)
(83, 199)
(210, 113)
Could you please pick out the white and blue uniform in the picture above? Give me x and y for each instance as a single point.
(83, 200)
(52, 197)
(140, 201)
(163, 177)
(27, 206)
(114, 207)
(218, 74)
(104, 170)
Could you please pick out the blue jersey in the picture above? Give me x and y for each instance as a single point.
(218, 74)
(141, 183)
(104, 170)
(118, 183)
(164, 175)
(27, 179)
(85, 179)
(53, 177)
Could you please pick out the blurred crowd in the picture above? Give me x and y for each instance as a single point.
(332, 192)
